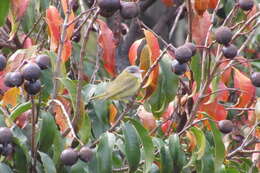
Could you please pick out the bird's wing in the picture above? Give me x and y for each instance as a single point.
(119, 85)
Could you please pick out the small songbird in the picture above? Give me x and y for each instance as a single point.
(124, 86)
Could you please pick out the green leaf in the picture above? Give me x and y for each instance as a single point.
(132, 148)
(58, 146)
(196, 69)
(5, 168)
(207, 161)
(19, 110)
(166, 88)
(219, 147)
(166, 160)
(201, 141)
(104, 155)
(47, 132)
(147, 143)
(79, 167)
(71, 86)
(85, 128)
(177, 154)
(47, 162)
(4, 8)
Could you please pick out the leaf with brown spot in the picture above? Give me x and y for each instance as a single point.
(243, 83)
(10, 97)
(106, 42)
(200, 26)
(54, 22)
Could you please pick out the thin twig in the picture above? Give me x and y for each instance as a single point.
(33, 144)
(192, 124)
(80, 15)
(189, 9)
(176, 20)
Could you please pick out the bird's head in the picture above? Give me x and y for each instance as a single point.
(134, 70)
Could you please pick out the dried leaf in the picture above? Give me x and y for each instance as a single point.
(201, 6)
(133, 51)
(200, 26)
(10, 96)
(112, 113)
(106, 41)
(243, 83)
(54, 22)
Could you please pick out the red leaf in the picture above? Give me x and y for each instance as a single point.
(66, 51)
(227, 74)
(200, 26)
(69, 31)
(18, 8)
(168, 3)
(243, 83)
(54, 22)
(213, 4)
(201, 6)
(132, 54)
(28, 42)
(147, 118)
(106, 41)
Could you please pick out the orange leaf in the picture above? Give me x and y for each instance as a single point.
(59, 115)
(10, 97)
(106, 41)
(192, 141)
(201, 6)
(66, 51)
(213, 4)
(243, 83)
(54, 22)
(225, 77)
(200, 26)
(112, 113)
(69, 31)
(132, 54)
(168, 3)
(223, 95)
(154, 49)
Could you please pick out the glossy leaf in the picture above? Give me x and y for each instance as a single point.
(177, 154)
(54, 22)
(47, 134)
(202, 22)
(47, 163)
(4, 8)
(104, 155)
(166, 164)
(106, 41)
(19, 110)
(219, 147)
(147, 144)
(200, 140)
(133, 51)
(5, 168)
(201, 6)
(132, 148)
(242, 82)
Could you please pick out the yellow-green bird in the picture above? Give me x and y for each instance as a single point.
(124, 86)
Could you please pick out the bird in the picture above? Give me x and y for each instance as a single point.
(123, 86)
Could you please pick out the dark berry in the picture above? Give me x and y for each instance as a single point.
(110, 5)
(43, 61)
(13, 79)
(255, 78)
(225, 126)
(223, 35)
(31, 72)
(129, 10)
(2, 62)
(192, 47)
(229, 51)
(76, 37)
(5, 135)
(7, 149)
(183, 54)
(69, 156)
(85, 154)
(246, 5)
(177, 68)
(32, 88)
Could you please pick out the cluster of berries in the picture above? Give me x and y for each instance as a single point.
(28, 76)
(70, 156)
(183, 54)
